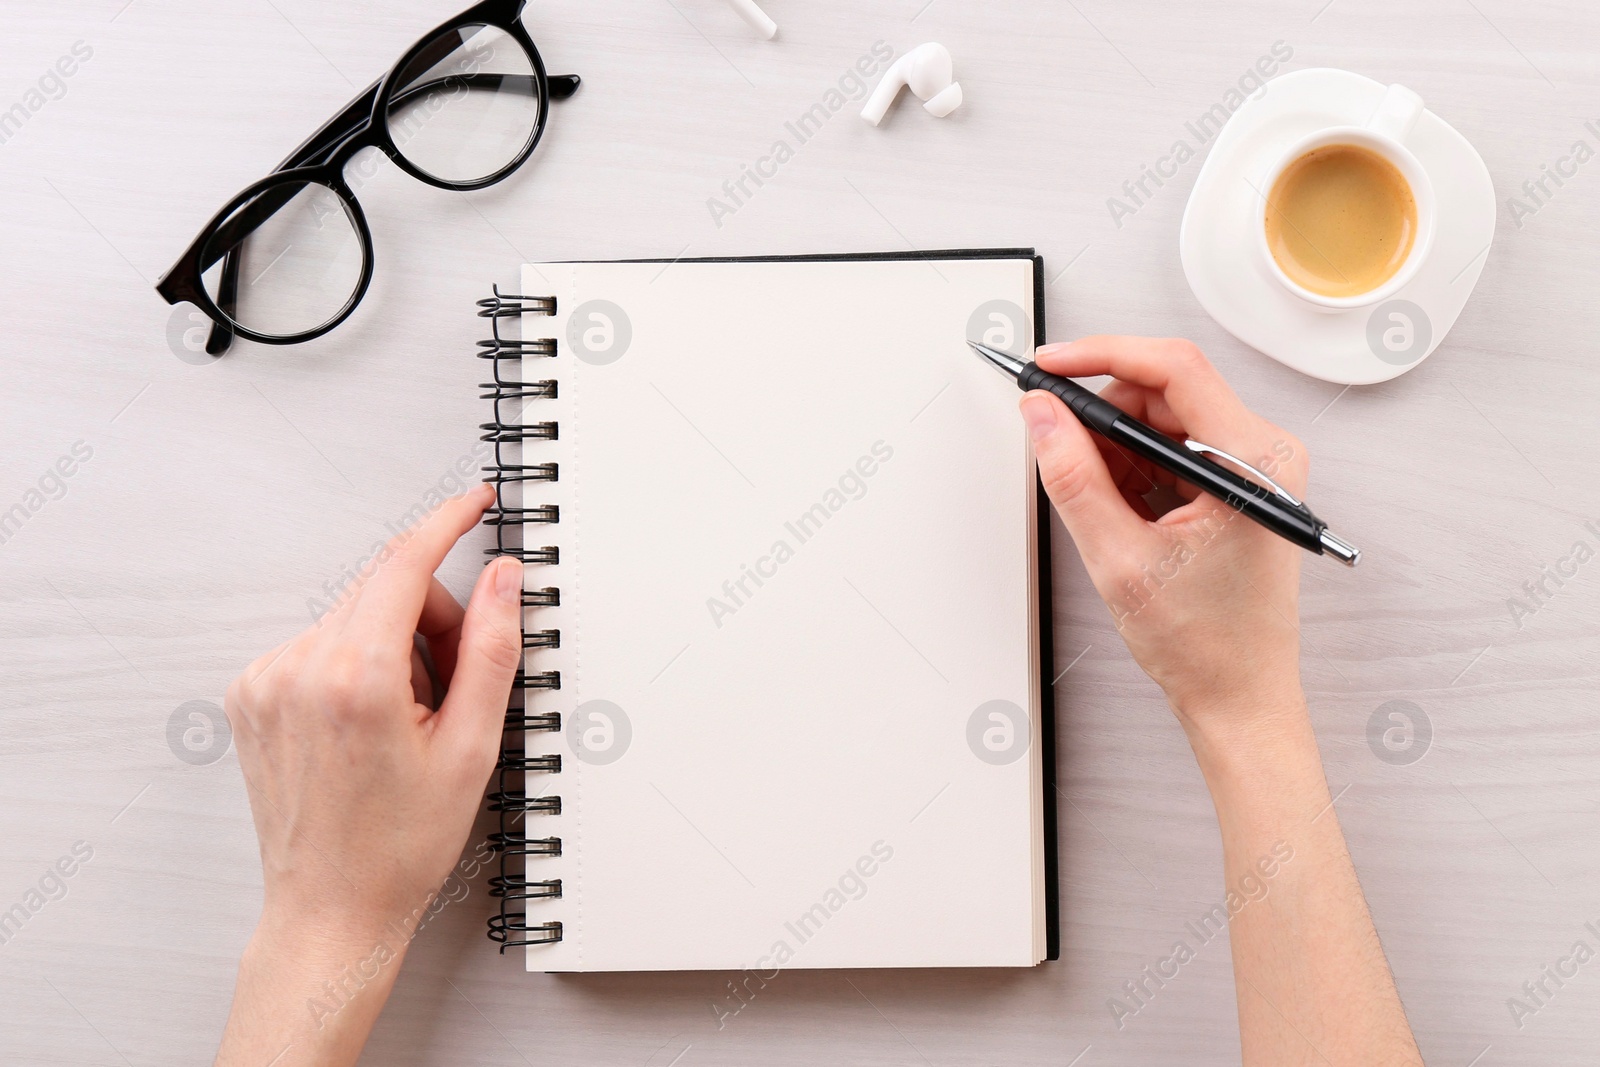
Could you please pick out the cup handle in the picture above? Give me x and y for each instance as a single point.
(1396, 114)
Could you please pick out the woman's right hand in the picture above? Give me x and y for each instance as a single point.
(1206, 599)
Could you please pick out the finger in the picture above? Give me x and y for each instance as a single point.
(1148, 407)
(390, 605)
(1076, 479)
(422, 679)
(440, 626)
(1134, 475)
(1144, 404)
(474, 709)
(1201, 509)
(1202, 403)
(1129, 474)
(1183, 396)
(1133, 484)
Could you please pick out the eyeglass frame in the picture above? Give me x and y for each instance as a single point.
(321, 160)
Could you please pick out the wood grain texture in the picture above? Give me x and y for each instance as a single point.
(219, 499)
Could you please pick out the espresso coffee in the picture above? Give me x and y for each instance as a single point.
(1341, 220)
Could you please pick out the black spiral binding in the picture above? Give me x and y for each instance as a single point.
(513, 799)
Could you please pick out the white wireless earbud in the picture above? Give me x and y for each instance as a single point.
(929, 71)
(756, 17)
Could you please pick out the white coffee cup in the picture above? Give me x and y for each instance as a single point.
(1384, 134)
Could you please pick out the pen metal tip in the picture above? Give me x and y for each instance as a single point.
(1008, 364)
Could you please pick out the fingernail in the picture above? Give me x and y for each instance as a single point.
(508, 582)
(1039, 414)
(1052, 348)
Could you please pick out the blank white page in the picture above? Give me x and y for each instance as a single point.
(797, 551)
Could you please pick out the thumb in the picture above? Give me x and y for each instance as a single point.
(487, 658)
(1077, 482)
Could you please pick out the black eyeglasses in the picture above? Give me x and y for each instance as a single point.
(290, 257)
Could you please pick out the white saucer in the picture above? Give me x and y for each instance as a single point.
(1220, 259)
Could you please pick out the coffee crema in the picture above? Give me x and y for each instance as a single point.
(1341, 220)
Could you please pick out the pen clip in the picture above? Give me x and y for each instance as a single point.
(1205, 449)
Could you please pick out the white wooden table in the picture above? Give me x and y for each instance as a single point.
(218, 499)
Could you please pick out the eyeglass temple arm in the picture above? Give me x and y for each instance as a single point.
(319, 148)
(322, 145)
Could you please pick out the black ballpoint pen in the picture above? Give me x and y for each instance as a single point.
(1270, 505)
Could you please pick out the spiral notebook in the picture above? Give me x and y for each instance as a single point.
(785, 699)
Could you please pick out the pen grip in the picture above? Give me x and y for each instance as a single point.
(1093, 412)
